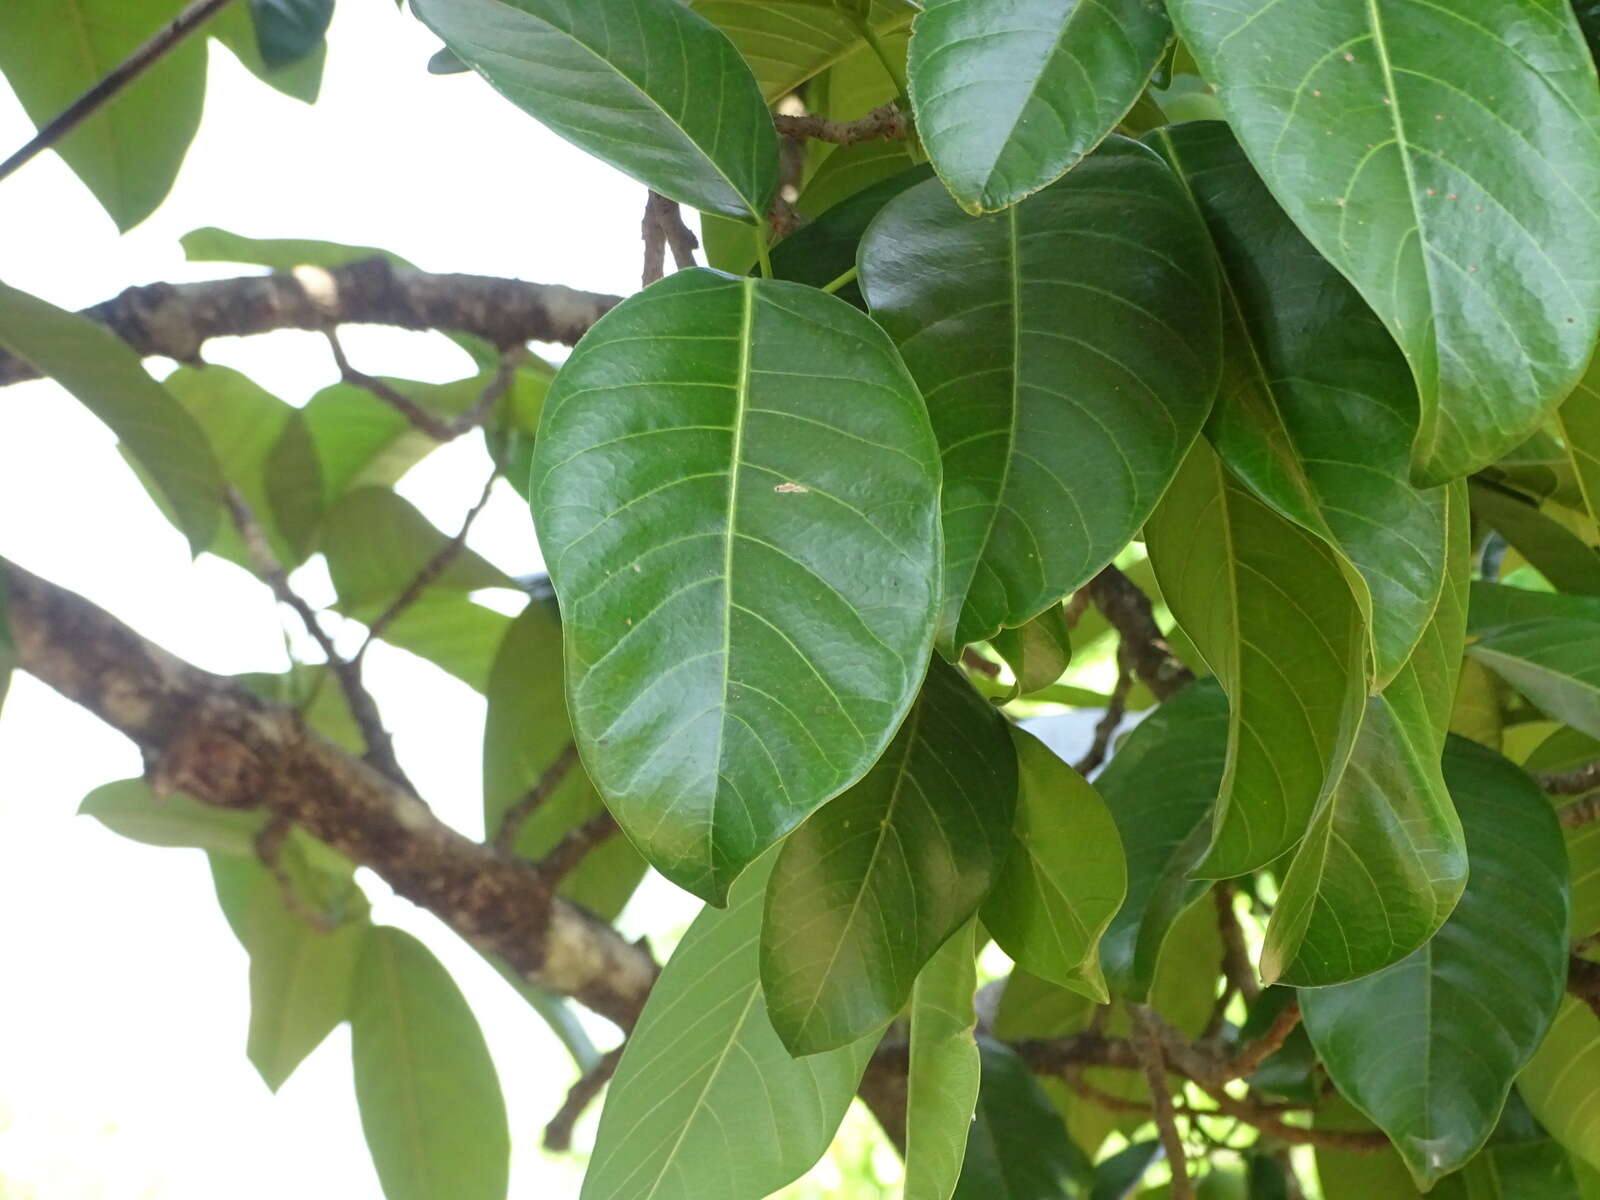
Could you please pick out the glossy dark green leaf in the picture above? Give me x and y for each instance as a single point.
(129, 808)
(1018, 1149)
(301, 79)
(1008, 98)
(289, 30)
(128, 151)
(1064, 877)
(1443, 158)
(1558, 554)
(1553, 661)
(107, 377)
(1318, 407)
(1269, 607)
(878, 879)
(942, 1080)
(787, 42)
(625, 80)
(1561, 1083)
(706, 503)
(430, 1100)
(1428, 1048)
(525, 733)
(1056, 444)
(707, 1104)
(1038, 652)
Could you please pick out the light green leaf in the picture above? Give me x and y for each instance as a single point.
(210, 244)
(1553, 661)
(624, 80)
(1564, 750)
(1561, 1083)
(1009, 97)
(878, 879)
(1428, 1048)
(1018, 1148)
(129, 808)
(1558, 554)
(525, 733)
(1038, 653)
(705, 512)
(1578, 418)
(942, 1081)
(1496, 604)
(1444, 157)
(99, 368)
(1318, 407)
(706, 1103)
(1160, 787)
(1064, 877)
(128, 151)
(1269, 607)
(787, 42)
(430, 1100)
(1068, 349)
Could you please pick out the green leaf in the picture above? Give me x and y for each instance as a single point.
(705, 512)
(210, 244)
(1318, 407)
(787, 42)
(1008, 99)
(1442, 157)
(1064, 877)
(100, 369)
(525, 733)
(942, 1081)
(128, 151)
(1561, 1083)
(1056, 444)
(129, 808)
(1038, 653)
(878, 879)
(430, 1100)
(1269, 607)
(1383, 862)
(301, 79)
(1563, 750)
(1428, 1048)
(453, 633)
(1578, 418)
(1553, 661)
(624, 80)
(1558, 554)
(1496, 604)
(1160, 787)
(706, 1103)
(1018, 1148)
(289, 30)
(1119, 1176)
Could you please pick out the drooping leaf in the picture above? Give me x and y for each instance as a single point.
(878, 879)
(707, 1104)
(1160, 787)
(1561, 1083)
(626, 80)
(1560, 555)
(1442, 157)
(99, 368)
(1064, 877)
(301, 79)
(942, 1080)
(1018, 1148)
(1318, 407)
(1068, 349)
(1268, 606)
(787, 42)
(1496, 604)
(1038, 653)
(1007, 98)
(289, 30)
(705, 511)
(128, 151)
(430, 1101)
(129, 808)
(1428, 1048)
(1554, 661)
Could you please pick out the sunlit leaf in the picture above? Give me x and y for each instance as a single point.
(1562, 1081)
(787, 42)
(942, 1079)
(1038, 653)
(128, 807)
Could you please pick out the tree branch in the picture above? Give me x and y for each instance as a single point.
(1583, 981)
(887, 123)
(1129, 611)
(1147, 1042)
(662, 228)
(1572, 783)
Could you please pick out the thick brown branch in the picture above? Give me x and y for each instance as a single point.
(1129, 611)
(887, 123)
(176, 320)
(1581, 812)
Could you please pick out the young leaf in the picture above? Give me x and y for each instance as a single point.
(878, 879)
(430, 1100)
(942, 1081)
(289, 30)
(1270, 609)
(706, 511)
(1068, 349)
(1038, 653)
(626, 81)
(706, 1103)
(98, 367)
(1442, 157)
(1017, 1148)
(1318, 408)
(1007, 99)
(1064, 877)
(787, 42)
(1428, 1047)
(1561, 1083)
(128, 807)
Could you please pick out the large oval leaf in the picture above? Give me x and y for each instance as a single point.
(706, 1103)
(942, 1079)
(737, 491)
(1010, 95)
(870, 887)
(627, 80)
(1269, 608)
(1445, 157)
(1068, 349)
(1428, 1047)
(1317, 408)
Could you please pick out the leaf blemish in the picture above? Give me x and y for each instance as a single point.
(791, 488)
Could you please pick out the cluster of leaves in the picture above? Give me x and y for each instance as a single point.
(1289, 314)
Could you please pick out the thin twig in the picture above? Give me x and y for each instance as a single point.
(515, 816)
(1116, 710)
(663, 228)
(269, 849)
(1236, 966)
(1147, 1041)
(434, 426)
(1129, 611)
(1581, 812)
(887, 123)
(558, 1133)
(574, 846)
(1250, 1057)
(159, 45)
(1572, 783)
